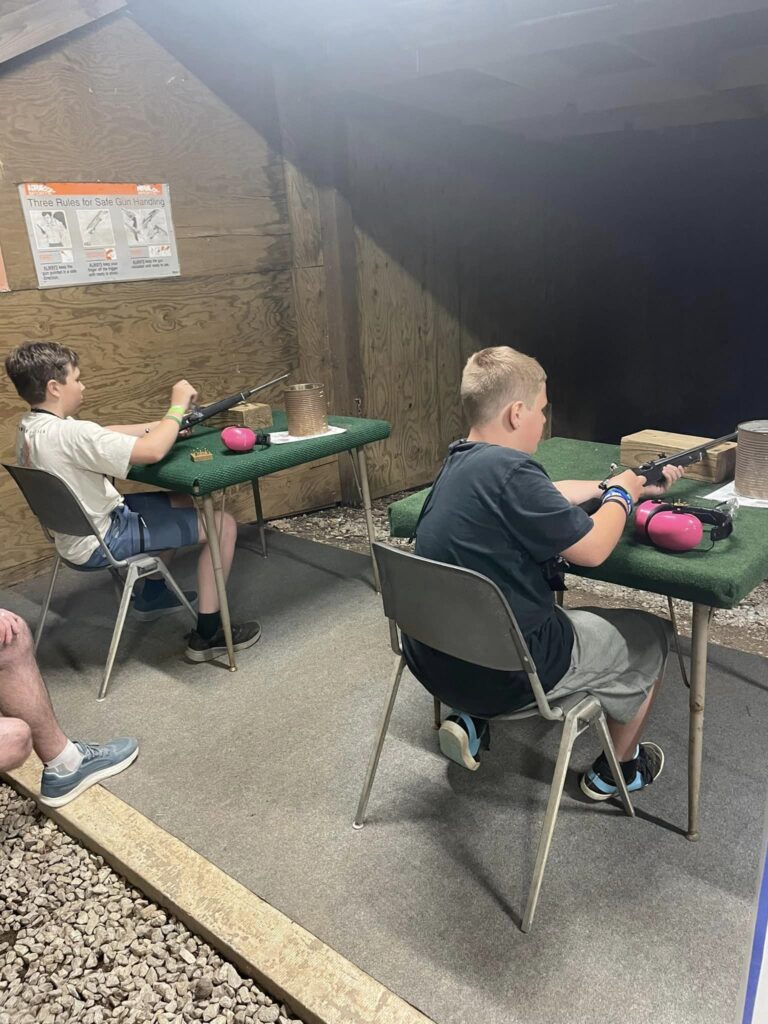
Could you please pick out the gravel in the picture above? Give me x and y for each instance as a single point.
(77, 944)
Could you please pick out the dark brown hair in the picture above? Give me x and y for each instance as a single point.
(30, 366)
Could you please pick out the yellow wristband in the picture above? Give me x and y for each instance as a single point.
(177, 408)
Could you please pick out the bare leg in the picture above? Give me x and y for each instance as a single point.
(23, 696)
(207, 595)
(626, 735)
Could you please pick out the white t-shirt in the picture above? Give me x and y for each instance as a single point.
(80, 453)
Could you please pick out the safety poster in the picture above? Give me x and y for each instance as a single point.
(85, 232)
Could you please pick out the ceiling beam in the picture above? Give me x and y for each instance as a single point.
(700, 110)
(41, 22)
(578, 29)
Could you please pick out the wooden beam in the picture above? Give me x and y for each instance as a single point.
(604, 24)
(724, 106)
(617, 22)
(46, 20)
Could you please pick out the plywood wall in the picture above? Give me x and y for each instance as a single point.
(109, 103)
(466, 238)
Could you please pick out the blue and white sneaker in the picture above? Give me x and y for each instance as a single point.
(598, 782)
(100, 761)
(461, 741)
(166, 604)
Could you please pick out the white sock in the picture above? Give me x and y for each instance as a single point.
(68, 761)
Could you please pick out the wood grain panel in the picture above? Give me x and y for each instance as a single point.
(41, 22)
(400, 358)
(315, 362)
(109, 122)
(125, 110)
(135, 340)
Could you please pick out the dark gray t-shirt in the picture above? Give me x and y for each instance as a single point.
(496, 511)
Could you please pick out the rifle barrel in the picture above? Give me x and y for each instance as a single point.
(691, 453)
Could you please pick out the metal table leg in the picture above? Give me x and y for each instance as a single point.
(218, 572)
(366, 496)
(259, 516)
(699, 641)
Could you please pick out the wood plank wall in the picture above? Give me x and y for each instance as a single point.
(109, 103)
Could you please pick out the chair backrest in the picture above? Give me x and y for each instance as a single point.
(456, 611)
(54, 504)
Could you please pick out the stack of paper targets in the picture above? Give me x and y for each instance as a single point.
(752, 460)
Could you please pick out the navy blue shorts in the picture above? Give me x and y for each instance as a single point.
(146, 522)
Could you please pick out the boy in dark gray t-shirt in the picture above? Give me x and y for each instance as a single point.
(493, 509)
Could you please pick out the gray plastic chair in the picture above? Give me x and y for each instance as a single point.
(59, 510)
(464, 614)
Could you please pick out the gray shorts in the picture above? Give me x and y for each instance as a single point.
(618, 653)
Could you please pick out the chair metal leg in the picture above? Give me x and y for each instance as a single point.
(378, 744)
(438, 719)
(602, 727)
(163, 568)
(47, 602)
(130, 582)
(570, 732)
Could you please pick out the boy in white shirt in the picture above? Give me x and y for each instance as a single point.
(84, 454)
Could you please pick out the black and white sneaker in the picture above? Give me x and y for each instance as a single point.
(244, 635)
(598, 782)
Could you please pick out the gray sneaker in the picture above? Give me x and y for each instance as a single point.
(100, 761)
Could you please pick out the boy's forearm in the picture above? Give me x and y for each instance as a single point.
(154, 446)
(134, 429)
(578, 491)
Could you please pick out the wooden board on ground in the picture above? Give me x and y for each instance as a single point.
(718, 464)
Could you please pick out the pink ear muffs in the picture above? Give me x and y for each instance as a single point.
(679, 527)
(238, 439)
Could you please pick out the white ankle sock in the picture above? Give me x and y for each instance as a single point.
(68, 761)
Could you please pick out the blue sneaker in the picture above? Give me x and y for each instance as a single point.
(460, 740)
(165, 604)
(598, 782)
(100, 761)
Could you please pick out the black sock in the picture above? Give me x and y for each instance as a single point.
(208, 623)
(603, 769)
(153, 589)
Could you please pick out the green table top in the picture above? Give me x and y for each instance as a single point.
(177, 472)
(720, 577)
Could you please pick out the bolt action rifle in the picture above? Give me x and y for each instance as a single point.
(198, 414)
(653, 469)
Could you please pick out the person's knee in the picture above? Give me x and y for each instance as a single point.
(15, 743)
(20, 649)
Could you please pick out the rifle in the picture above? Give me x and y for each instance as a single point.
(197, 414)
(652, 470)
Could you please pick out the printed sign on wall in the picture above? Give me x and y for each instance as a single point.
(84, 232)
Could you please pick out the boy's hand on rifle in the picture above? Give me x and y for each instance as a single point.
(671, 475)
(631, 482)
(183, 394)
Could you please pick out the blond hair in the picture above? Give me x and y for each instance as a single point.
(494, 377)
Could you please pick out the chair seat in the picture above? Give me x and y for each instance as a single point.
(565, 704)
